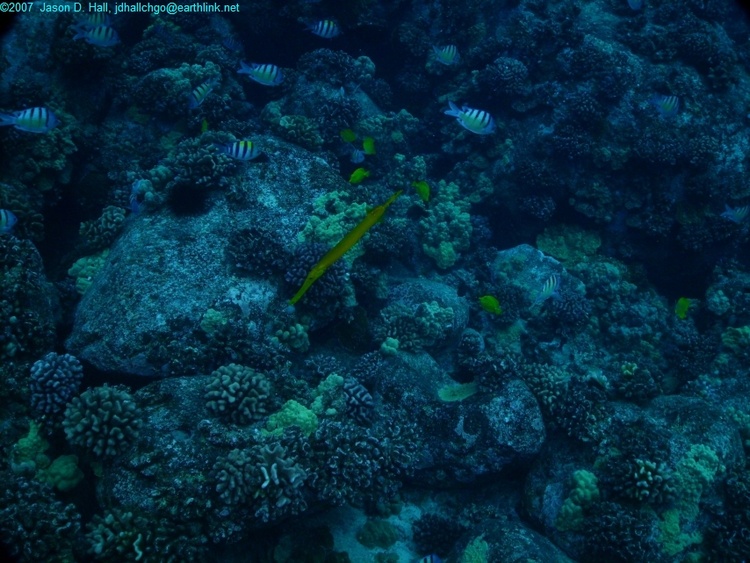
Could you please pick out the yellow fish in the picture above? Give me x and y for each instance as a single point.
(423, 190)
(348, 135)
(358, 175)
(368, 145)
(349, 240)
(681, 307)
(490, 304)
(204, 126)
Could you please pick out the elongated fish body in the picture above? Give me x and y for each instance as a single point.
(475, 120)
(240, 150)
(327, 29)
(32, 120)
(265, 74)
(200, 92)
(350, 239)
(100, 36)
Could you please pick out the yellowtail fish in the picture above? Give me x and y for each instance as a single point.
(7, 220)
(490, 304)
(549, 289)
(327, 29)
(204, 125)
(423, 189)
(200, 92)
(736, 215)
(447, 55)
(667, 106)
(240, 150)
(348, 136)
(368, 145)
(681, 307)
(32, 120)
(265, 74)
(358, 175)
(475, 120)
(100, 36)
(349, 240)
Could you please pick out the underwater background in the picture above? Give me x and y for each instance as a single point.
(329, 281)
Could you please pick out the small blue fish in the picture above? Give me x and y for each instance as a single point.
(240, 150)
(431, 558)
(233, 44)
(100, 36)
(327, 29)
(7, 220)
(736, 215)
(358, 155)
(667, 106)
(475, 120)
(635, 5)
(200, 92)
(32, 120)
(138, 188)
(549, 289)
(447, 55)
(266, 74)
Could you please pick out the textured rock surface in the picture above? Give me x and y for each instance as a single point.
(168, 270)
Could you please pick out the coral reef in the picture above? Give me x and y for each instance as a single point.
(238, 394)
(55, 379)
(102, 421)
(539, 353)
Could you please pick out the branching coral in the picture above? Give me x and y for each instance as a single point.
(265, 476)
(100, 233)
(55, 379)
(415, 327)
(102, 420)
(446, 230)
(238, 394)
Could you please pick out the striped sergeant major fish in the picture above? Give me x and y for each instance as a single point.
(240, 150)
(265, 74)
(99, 36)
(327, 29)
(667, 106)
(200, 92)
(93, 19)
(737, 214)
(233, 44)
(447, 55)
(32, 120)
(7, 220)
(549, 289)
(475, 120)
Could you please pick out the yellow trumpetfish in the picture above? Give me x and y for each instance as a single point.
(351, 238)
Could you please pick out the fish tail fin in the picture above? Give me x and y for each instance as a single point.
(454, 110)
(7, 119)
